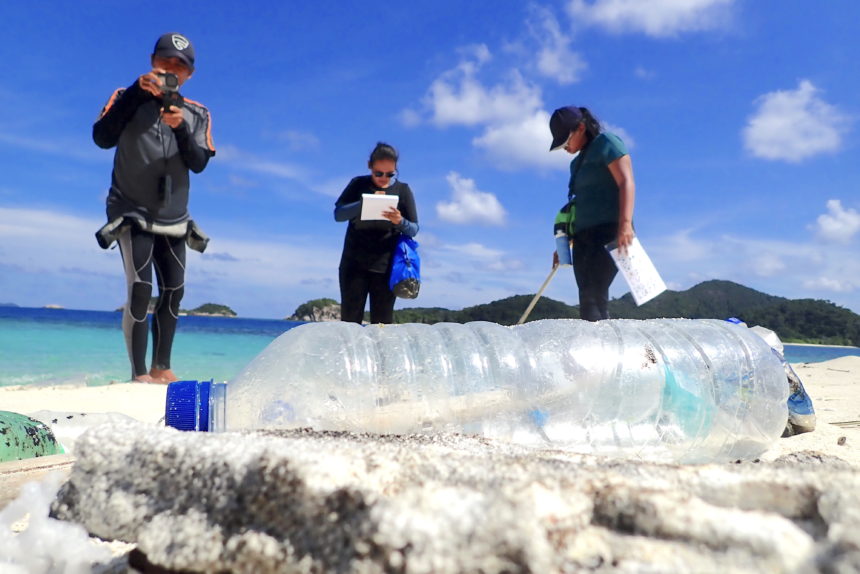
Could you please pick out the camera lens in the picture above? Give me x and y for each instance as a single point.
(169, 82)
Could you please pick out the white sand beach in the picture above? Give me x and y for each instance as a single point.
(834, 387)
(141, 401)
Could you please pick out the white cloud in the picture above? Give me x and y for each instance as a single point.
(554, 58)
(839, 285)
(51, 257)
(239, 181)
(657, 18)
(514, 127)
(457, 97)
(46, 229)
(241, 160)
(63, 148)
(620, 132)
(682, 246)
(838, 224)
(475, 250)
(479, 53)
(57, 260)
(521, 143)
(778, 267)
(794, 125)
(278, 169)
(766, 264)
(410, 118)
(475, 255)
(299, 140)
(330, 186)
(469, 204)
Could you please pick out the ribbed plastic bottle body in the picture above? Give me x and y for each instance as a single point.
(671, 389)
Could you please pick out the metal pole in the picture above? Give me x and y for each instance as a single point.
(537, 295)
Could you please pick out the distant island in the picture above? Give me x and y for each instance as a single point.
(210, 310)
(317, 310)
(795, 320)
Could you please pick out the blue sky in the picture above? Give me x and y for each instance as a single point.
(740, 115)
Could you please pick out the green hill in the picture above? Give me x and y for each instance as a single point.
(794, 320)
(710, 299)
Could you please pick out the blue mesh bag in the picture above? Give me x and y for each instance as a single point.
(405, 280)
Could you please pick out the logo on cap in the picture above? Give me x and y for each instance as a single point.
(179, 42)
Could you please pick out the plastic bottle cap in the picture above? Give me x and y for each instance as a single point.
(187, 405)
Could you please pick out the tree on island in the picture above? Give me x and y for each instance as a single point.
(212, 309)
(324, 309)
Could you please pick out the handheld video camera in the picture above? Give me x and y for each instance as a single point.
(170, 95)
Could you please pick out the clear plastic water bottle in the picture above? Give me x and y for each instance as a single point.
(562, 247)
(665, 389)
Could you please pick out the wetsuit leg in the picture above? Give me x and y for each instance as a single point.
(354, 288)
(594, 270)
(381, 299)
(169, 258)
(136, 248)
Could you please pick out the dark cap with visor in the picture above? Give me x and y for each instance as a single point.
(561, 123)
(175, 45)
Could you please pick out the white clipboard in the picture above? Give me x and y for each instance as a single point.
(372, 205)
(638, 270)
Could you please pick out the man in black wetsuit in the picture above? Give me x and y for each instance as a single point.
(159, 136)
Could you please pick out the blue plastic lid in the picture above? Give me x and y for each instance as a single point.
(187, 405)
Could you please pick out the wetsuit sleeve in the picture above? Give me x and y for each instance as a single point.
(348, 205)
(406, 206)
(116, 114)
(347, 211)
(407, 227)
(194, 156)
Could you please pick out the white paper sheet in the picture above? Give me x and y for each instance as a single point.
(372, 205)
(638, 270)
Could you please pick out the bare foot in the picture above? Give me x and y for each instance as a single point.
(143, 379)
(162, 376)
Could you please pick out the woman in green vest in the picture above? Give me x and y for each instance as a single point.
(602, 190)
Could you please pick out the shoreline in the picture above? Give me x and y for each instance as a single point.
(820, 345)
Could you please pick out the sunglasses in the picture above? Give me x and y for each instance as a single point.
(388, 174)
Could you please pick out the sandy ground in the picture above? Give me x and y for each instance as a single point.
(835, 390)
(142, 401)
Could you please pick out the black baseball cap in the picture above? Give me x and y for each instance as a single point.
(175, 45)
(561, 123)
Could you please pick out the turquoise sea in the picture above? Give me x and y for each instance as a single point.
(56, 346)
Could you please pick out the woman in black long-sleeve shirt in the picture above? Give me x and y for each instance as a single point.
(365, 265)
